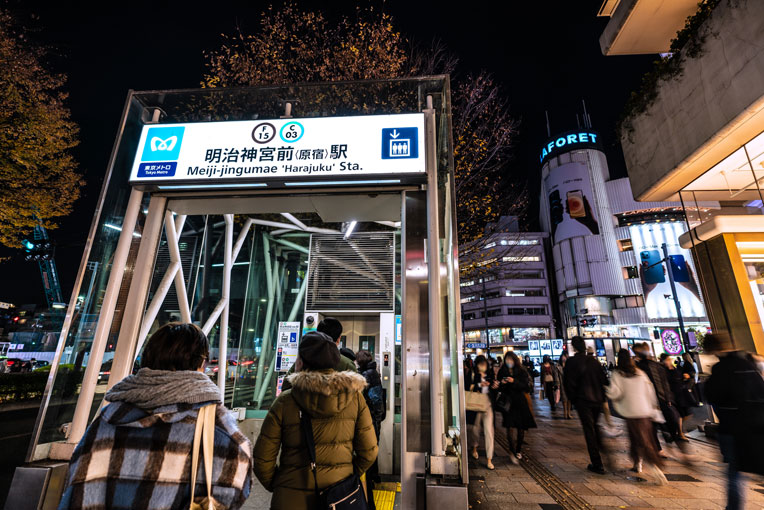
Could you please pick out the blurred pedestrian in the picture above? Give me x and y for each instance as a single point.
(515, 403)
(550, 380)
(375, 400)
(736, 390)
(585, 383)
(681, 398)
(483, 382)
(634, 399)
(563, 394)
(532, 372)
(137, 452)
(659, 376)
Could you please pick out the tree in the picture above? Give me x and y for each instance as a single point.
(294, 45)
(38, 178)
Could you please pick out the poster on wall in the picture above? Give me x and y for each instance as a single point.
(287, 345)
(571, 202)
(557, 346)
(533, 348)
(545, 347)
(647, 240)
(672, 341)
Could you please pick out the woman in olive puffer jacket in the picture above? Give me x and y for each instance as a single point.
(342, 428)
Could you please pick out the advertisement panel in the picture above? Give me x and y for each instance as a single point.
(287, 345)
(571, 201)
(647, 240)
(204, 153)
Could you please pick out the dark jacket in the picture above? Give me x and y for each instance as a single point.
(373, 393)
(520, 414)
(342, 428)
(584, 380)
(658, 375)
(733, 380)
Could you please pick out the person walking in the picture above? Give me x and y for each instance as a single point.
(678, 389)
(137, 452)
(551, 381)
(531, 369)
(736, 390)
(333, 328)
(659, 376)
(483, 382)
(634, 399)
(342, 426)
(585, 383)
(560, 376)
(514, 385)
(375, 401)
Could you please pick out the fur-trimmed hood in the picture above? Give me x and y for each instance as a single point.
(325, 393)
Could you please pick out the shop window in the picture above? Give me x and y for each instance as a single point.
(625, 245)
(630, 272)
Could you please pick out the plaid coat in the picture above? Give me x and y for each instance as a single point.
(130, 458)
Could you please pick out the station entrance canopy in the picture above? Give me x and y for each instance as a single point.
(253, 212)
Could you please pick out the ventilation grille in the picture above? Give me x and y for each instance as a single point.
(355, 274)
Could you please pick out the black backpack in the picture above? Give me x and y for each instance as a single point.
(375, 399)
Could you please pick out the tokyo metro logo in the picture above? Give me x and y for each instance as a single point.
(163, 143)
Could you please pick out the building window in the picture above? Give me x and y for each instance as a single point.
(469, 316)
(527, 258)
(524, 275)
(467, 283)
(468, 299)
(537, 310)
(494, 313)
(630, 272)
(519, 242)
(524, 292)
(625, 245)
(489, 245)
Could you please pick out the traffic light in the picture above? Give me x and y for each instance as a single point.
(42, 250)
(584, 322)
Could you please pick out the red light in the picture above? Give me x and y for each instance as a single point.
(10, 362)
(15, 319)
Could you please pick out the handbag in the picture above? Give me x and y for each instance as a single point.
(204, 434)
(475, 401)
(503, 403)
(347, 494)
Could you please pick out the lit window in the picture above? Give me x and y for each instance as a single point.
(527, 258)
(630, 272)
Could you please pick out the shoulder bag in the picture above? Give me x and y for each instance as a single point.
(476, 401)
(204, 434)
(347, 494)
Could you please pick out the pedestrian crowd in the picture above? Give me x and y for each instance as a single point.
(654, 397)
(165, 440)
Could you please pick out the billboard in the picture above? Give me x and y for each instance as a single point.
(204, 153)
(571, 202)
(647, 239)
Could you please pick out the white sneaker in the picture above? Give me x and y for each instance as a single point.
(660, 478)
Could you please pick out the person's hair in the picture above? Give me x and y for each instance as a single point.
(563, 355)
(176, 346)
(547, 359)
(527, 356)
(480, 359)
(625, 363)
(578, 343)
(331, 327)
(363, 358)
(663, 357)
(511, 355)
(716, 342)
(688, 357)
(348, 353)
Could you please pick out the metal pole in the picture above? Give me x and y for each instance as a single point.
(128, 343)
(685, 341)
(105, 317)
(437, 437)
(223, 336)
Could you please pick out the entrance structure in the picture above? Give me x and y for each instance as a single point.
(254, 212)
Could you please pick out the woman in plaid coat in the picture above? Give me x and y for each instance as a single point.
(137, 453)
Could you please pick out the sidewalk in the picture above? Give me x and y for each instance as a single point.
(553, 474)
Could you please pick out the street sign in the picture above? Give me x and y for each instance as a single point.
(475, 345)
(257, 151)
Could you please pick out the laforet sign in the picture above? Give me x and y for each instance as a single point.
(243, 153)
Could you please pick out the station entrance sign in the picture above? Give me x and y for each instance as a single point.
(280, 149)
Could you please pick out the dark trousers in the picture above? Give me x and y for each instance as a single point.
(642, 442)
(550, 394)
(515, 446)
(589, 414)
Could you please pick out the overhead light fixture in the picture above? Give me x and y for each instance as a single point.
(342, 183)
(350, 229)
(213, 186)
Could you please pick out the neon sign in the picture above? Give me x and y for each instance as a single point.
(568, 142)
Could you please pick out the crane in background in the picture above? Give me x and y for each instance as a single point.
(41, 250)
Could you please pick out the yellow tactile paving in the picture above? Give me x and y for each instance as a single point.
(384, 500)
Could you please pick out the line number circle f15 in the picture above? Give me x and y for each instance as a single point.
(264, 132)
(291, 131)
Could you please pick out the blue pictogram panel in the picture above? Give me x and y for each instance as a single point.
(400, 143)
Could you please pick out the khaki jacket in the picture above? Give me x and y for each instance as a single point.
(342, 428)
(345, 364)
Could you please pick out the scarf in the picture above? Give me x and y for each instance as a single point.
(150, 389)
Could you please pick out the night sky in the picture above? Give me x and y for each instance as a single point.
(546, 56)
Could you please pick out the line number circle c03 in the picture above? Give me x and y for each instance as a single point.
(264, 132)
(291, 132)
